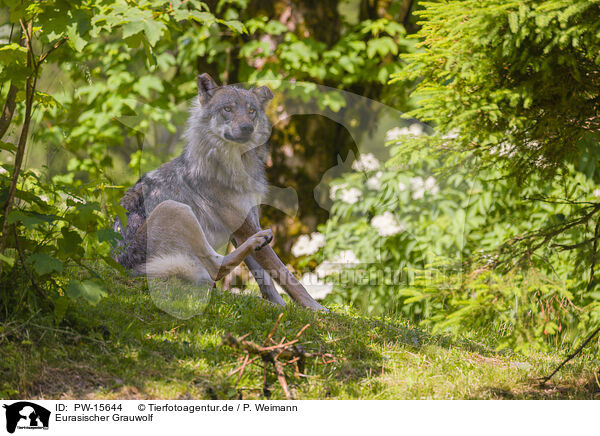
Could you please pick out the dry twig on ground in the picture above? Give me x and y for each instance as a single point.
(274, 355)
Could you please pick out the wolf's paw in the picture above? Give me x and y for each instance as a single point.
(260, 239)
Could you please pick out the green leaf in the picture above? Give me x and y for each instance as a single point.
(89, 290)
(147, 83)
(7, 146)
(70, 243)
(12, 53)
(8, 260)
(135, 40)
(84, 215)
(30, 219)
(132, 28)
(107, 235)
(513, 22)
(75, 40)
(44, 264)
(381, 46)
(205, 18)
(114, 264)
(153, 30)
(236, 26)
(61, 305)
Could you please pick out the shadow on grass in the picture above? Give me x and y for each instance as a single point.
(579, 388)
(127, 348)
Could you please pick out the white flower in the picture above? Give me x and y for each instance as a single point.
(533, 145)
(317, 239)
(374, 183)
(451, 134)
(306, 245)
(431, 186)
(315, 287)
(417, 195)
(417, 185)
(328, 267)
(503, 149)
(3, 170)
(346, 257)
(351, 195)
(542, 162)
(420, 186)
(335, 188)
(401, 186)
(393, 134)
(366, 162)
(387, 225)
(415, 129)
(596, 192)
(302, 246)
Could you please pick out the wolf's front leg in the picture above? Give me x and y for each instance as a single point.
(265, 282)
(269, 261)
(237, 256)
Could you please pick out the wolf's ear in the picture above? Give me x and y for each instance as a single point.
(263, 94)
(206, 87)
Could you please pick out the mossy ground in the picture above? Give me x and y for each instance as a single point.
(125, 348)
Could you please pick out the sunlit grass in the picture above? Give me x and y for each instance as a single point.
(125, 347)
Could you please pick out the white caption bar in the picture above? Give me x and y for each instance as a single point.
(153, 417)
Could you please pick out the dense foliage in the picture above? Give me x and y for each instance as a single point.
(516, 76)
(96, 92)
(493, 222)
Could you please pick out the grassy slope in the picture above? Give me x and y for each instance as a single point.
(126, 348)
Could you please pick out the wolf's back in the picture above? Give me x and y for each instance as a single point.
(131, 250)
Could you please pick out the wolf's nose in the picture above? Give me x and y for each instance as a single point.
(246, 128)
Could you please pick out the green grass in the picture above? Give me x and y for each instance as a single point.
(125, 347)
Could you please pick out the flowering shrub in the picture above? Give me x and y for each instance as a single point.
(425, 237)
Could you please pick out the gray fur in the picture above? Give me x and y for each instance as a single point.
(180, 213)
(212, 175)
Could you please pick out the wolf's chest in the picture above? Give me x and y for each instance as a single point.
(223, 213)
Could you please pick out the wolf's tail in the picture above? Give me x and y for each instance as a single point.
(181, 265)
(131, 249)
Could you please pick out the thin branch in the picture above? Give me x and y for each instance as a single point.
(566, 247)
(282, 380)
(28, 33)
(9, 109)
(29, 97)
(594, 255)
(243, 367)
(546, 235)
(270, 335)
(280, 355)
(572, 355)
(560, 201)
(406, 18)
(589, 288)
(11, 101)
(56, 45)
(34, 282)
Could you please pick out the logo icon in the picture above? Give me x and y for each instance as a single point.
(26, 415)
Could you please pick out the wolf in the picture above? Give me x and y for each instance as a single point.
(181, 214)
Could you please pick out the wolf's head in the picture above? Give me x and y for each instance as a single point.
(231, 114)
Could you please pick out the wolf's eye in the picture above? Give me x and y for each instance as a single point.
(251, 111)
(227, 108)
